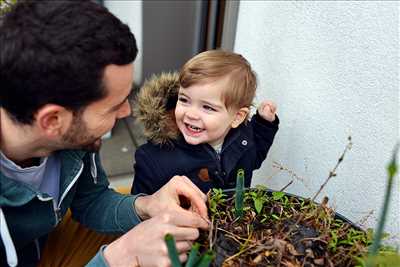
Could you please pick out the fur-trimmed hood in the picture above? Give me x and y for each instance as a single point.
(155, 107)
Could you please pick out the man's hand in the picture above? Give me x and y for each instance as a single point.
(267, 110)
(169, 197)
(144, 245)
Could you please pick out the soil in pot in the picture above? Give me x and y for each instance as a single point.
(279, 229)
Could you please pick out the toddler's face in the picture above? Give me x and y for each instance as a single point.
(201, 115)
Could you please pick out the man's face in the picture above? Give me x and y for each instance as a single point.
(98, 118)
(201, 115)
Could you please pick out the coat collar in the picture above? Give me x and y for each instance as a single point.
(13, 193)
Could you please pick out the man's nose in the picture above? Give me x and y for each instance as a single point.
(125, 110)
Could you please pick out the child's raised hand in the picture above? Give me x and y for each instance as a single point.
(267, 110)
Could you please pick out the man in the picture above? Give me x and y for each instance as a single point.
(65, 76)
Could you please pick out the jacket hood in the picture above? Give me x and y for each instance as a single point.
(155, 107)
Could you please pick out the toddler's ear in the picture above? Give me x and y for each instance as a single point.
(240, 116)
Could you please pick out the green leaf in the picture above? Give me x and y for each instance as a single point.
(258, 204)
(392, 168)
(217, 191)
(276, 217)
(213, 206)
(277, 195)
(261, 187)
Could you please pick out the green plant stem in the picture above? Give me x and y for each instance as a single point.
(206, 259)
(239, 194)
(172, 252)
(193, 256)
(392, 169)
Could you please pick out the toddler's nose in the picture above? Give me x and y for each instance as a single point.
(192, 114)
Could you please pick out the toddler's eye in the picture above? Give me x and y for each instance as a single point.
(209, 108)
(182, 99)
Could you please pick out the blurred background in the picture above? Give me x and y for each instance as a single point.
(332, 67)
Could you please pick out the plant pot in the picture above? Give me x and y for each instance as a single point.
(284, 230)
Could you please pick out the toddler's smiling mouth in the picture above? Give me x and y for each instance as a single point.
(193, 128)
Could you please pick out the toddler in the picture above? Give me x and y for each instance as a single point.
(197, 124)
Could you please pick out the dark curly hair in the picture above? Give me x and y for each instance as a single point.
(56, 52)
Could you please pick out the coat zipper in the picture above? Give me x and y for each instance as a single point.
(37, 248)
(54, 204)
(216, 156)
(58, 208)
(93, 168)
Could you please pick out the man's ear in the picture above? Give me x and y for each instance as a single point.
(240, 116)
(53, 120)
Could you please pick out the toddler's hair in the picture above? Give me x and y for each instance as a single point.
(211, 65)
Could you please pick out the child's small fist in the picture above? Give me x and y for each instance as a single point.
(267, 110)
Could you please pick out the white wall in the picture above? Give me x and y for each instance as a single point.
(332, 68)
(130, 12)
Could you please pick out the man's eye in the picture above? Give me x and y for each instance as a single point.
(208, 108)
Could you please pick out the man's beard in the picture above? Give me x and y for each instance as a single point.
(77, 136)
(93, 146)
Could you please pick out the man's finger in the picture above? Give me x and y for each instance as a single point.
(196, 197)
(194, 187)
(184, 233)
(188, 219)
(183, 246)
(183, 257)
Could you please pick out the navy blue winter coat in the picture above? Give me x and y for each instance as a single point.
(245, 147)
